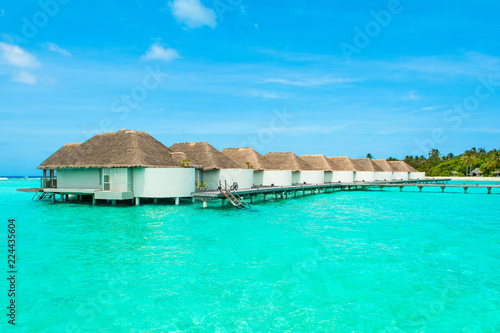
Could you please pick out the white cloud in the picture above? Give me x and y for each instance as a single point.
(16, 56)
(412, 96)
(158, 52)
(193, 14)
(24, 77)
(55, 48)
(264, 94)
(310, 82)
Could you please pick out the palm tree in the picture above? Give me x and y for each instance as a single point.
(370, 156)
(467, 159)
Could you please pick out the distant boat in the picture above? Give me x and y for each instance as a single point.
(1, 178)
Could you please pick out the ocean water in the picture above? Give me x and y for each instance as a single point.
(360, 261)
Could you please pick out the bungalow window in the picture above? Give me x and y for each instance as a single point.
(106, 186)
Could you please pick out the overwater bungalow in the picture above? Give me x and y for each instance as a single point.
(401, 170)
(343, 169)
(118, 166)
(265, 173)
(387, 173)
(320, 162)
(215, 168)
(301, 171)
(364, 169)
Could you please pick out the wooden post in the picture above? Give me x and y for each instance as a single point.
(489, 190)
(264, 197)
(53, 197)
(465, 189)
(192, 200)
(204, 204)
(442, 188)
(155, 200)
(223, 202)
(251, 199)
(177, 200)
(113, 202)
(137, 201)
(93, 199)
(401, 188)
(420, 188)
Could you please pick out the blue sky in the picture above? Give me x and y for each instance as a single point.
(390, 78)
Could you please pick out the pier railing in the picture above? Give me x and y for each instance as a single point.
(48, 183)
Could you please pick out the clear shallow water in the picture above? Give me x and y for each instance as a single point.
(350, 261)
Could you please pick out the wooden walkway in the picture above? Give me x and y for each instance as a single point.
(293, 191)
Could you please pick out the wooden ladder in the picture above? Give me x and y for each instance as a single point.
(236, 201)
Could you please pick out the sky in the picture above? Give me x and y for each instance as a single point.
(390, 78)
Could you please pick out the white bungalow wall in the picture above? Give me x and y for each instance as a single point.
(366, 176)
(79, 179)
(400, 176)
(417, 175)
(244, 177)
(311, 177)
(383, 176)
(164, 182)
(328, 176)
(342, 176)
(120, 179)
(258, 178)
(277, 177)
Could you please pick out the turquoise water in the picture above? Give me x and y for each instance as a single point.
(366, 261)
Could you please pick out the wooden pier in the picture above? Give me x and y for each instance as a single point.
(285, 192)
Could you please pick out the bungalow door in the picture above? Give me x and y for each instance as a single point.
(106, 179)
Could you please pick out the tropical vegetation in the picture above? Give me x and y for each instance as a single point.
(438, 164)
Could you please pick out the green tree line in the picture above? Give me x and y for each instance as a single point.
(437, 164)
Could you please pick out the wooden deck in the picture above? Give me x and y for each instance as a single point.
(206, 196)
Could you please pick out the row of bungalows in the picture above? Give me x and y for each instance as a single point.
(133, 165)
(404, 171)
(302, 172)
(265, 172)
(214, 168)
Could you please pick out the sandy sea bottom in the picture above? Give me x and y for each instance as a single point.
(366, 261)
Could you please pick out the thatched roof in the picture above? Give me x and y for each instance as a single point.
(476, 170)
(318, 162)
(123, 149)
(455, 172)
(341, 163)
(402, 166)
(288, 161)
(364, 164)
(205, 155)
(497, 172)
(383, 165)
(242, 156)
(183, 160)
